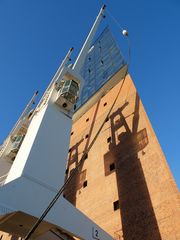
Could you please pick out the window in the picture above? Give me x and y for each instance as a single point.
(111, 166)
(82, 182)
(87, 119)
(67, 170)
(104, 55)
(85, 184)
(72, 133)
(70, 150)
(87, 135)
(105, 104)
(67, 83)
(116, 205)
(108, 139)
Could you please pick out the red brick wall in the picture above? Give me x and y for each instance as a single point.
(141, 181)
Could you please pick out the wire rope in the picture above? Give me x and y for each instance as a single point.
(124, 32)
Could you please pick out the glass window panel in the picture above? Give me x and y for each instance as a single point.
(106, 49)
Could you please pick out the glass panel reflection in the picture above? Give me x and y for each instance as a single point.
(103, 60)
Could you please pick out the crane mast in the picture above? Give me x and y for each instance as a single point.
(37, 172)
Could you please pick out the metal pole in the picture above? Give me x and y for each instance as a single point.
(83, 52)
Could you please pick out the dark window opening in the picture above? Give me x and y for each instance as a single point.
(108, 139)
(67, 170)
(105, 104)
(72, 133)
(111, 166)
(102, 61)
(116, 205)
(85, 184)
(87, 135)
(87, 119)
(89, 59)
(86, 156)
(89, 70)
(70, 150)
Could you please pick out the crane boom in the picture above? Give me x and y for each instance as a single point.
(38, 169)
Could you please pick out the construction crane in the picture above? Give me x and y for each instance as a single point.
(36, 170)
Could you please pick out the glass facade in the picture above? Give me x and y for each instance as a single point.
(103, 60)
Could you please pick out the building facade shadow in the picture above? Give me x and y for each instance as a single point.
(126, 142)
(136, 210)
(79, 179)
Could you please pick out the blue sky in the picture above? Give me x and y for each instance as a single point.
(35, 36)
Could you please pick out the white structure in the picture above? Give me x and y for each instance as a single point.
(32, 179)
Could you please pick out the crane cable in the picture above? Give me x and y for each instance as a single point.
(76, 169)
(124, 32)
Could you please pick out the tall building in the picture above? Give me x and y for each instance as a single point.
(124, 184)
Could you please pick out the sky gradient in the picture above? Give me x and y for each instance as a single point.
(36, 35)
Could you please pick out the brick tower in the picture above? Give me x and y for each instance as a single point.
(124, 183)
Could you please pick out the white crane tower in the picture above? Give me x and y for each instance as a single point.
(32, 172)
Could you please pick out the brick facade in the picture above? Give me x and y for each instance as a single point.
(125, 184)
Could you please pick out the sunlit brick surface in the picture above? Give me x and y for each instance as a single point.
(141, 181)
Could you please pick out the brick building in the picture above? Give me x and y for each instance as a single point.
(124, 184)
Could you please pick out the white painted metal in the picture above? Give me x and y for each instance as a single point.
(20, 127)
(19, 123)
(38, 170)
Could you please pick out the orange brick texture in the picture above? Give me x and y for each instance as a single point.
(124, 184)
